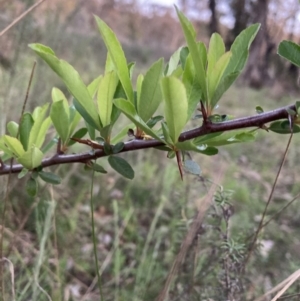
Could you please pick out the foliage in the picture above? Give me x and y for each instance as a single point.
(194, 75)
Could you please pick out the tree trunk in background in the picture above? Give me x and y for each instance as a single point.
(241, 17)
(256, 73)
(213, 24)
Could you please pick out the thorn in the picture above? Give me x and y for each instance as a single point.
(179, 163)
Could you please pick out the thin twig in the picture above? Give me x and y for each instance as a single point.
(260, 226)
(20, 17)
(239, 123)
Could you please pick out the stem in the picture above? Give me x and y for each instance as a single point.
(257, 121)
(94, 239)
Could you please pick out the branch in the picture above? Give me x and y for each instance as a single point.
(206, 128)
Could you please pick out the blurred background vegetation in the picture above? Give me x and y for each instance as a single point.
(140, 224)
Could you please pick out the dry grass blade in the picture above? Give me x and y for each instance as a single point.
(283, 287)
(20, 17)
(202, 208)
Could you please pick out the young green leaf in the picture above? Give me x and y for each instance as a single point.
(173, 62)
(25, 129)
(139, 83)
(42, 132)
(117, 55)
(128, 109)
(31, 187)
(214, 78)
(39, 117)
(14, 145)
(58, 95)
(121, 166)
(215, 51)
(197, 52)
(223, 86)
(290, 51)
(74, 119)
(118, 147)
(32, 158)
(283, 127)
(106, 91)
(13, 128)
(192, 86)
(23, 173)
(176, 105)
(78, 134)
(59, 115)
(49, 177)
(166, 133)
(98, 168)
(94, 85)
(240, 49)
(201, 148)
(72, 80)
(150, 97)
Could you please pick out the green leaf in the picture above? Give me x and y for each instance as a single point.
(72, 80)
(58, 95)
(150, 97)
(107, 88)
(43, 132)
(216, 74)
(49, 177)
(59, 115)
(85, 115)
(25, 129)
(31, 187)
(166, 133)
(32, 158)
(201, 148)
(192, 167)
(259, 109)
(223, 86)
(240, 49)
(215, 51)
(117, 55)
(283, 127)
(74, 119)
(197, 53)
(14, 145)
(121, 166)
(193, 89)
(13, 128)
(122, 134)
(128, 109)
(173, 62)
(154, 120)
(176, 105)
(139, 83)
(39, 117)
(118, 147)
(94, 85)
(290, 51)
(183, 56)
(23, 173)
(78, 134)
(228, 138)
(98, 168)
